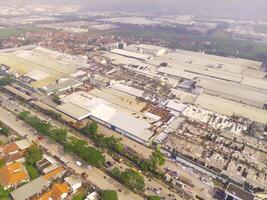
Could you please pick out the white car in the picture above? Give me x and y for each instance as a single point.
(78, 163)
(89, 167)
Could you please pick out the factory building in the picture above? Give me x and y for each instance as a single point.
(81, 105)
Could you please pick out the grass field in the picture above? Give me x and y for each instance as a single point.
(219, 43)
(8, 32)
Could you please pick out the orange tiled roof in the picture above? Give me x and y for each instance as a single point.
(9, 148)
(53, 173)
(55, 192)
(12, 174)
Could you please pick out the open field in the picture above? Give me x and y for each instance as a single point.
(8, 32)
(218, 44)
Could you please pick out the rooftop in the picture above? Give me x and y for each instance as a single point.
(13, 174)
(239, 192)
(55, 192)
(30, 189)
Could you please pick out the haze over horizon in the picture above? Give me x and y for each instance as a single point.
(243, 9)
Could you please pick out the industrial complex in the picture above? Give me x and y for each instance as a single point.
(208, 113)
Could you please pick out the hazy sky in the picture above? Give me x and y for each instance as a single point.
(242, 8)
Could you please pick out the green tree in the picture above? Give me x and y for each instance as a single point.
(133, 180)
(5, 81)
(153, 198)
(54, 114)
(32, 171)
(90, 129)
(56, 99)
(116, 173)
(4, 129)
(4, 194)
(2, 163)
(79, 196)
(89, 154)
(109, 195)
(33, 154)
(59, 135)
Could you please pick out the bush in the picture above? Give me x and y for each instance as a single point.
(4, 194)
(109, 195)
(4, 129)
(5, 81)
(89, 154)
(56, 99)
(32, 171)
(129, 178)
(153, 198)
(33, 154)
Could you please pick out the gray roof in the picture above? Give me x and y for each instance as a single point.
(61, 86)
(239, 192)
(28, 190)
(73, 111)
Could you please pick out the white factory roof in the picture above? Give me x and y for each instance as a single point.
(227, 62)
(81, 104)
(84, 100)
(235, 90)
(255, 82)
(37, 74)
(131, 54)
(229, 108)
(73, 111)
(117, 59)
(178, 73)
(123, 121)
(176, 106)
(103, 112)
(128, 89)
(130, 124)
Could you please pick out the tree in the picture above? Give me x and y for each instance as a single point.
(109, 195)
(89, 154)
(5, 81)
(56, 99)
(59, 135)
(4, 129)
(90, 129)
(133, 180)
(158, 157)
(4, 194)
(79, 196)
(153, 198)
(33, 154)
(116, 173)
(54, 114)
(2, 163)
(32, 171)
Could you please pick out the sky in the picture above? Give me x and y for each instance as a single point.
(236, 8)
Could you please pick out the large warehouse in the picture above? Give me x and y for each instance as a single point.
(40, 67)
(81, 105)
